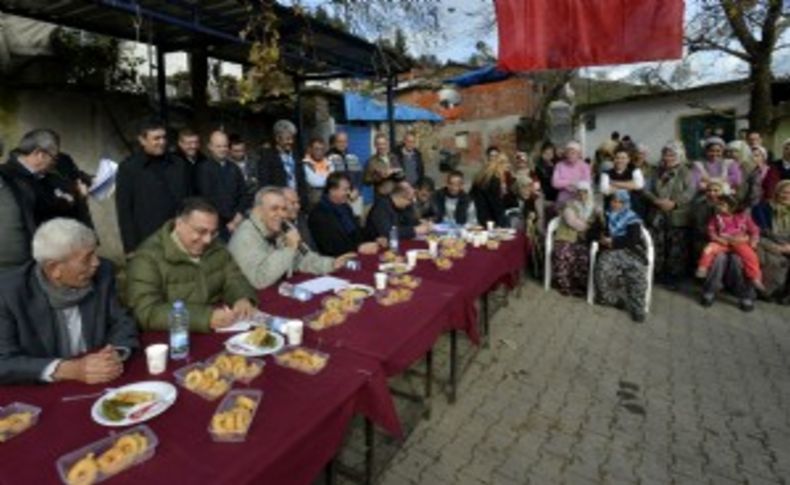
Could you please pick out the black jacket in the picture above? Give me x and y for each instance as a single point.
(148, 193)
(224, 187)
(330, 238)
(29, 340)
(271, 172)
(383, 215)
(48, 195)
(191, 165)
(490, 203)
(461, 208)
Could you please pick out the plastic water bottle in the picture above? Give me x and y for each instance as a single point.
(179, 331)
(394, 239)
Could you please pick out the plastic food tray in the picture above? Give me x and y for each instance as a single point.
(397, 280)
(14, 408)
(181, 375)
(344, 306)
(312, 322)
(227, 404)
(259, 363)
(281, 359)
(67, 461)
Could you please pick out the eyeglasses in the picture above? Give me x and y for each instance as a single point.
(202, 231)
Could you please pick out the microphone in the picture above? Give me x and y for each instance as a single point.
(303, 248)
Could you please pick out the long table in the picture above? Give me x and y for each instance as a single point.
(299, 425)
(302, 419)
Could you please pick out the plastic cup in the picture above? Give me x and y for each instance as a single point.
(380, 281)
(294, 331)
(411, 258)
(490, 225)
(156, 358)
(433, 247)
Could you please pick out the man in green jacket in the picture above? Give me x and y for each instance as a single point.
(267, 248)
(184, 261)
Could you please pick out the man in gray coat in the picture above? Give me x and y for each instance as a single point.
(267, 249)
(59, 315)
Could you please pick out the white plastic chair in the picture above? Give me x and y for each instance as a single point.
(651, 262)
(550, 230)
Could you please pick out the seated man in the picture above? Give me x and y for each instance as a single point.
(424, 202)
(452, 203)
(267, 249)
(296, 218)
(334, 224)
(395, 210)
(184, 261)
(59, 315)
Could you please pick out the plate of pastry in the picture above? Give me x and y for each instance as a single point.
(134, 403)
(255, 343)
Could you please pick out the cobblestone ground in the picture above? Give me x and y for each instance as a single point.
(570, 393)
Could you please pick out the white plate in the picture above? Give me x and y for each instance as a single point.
(165, 391)
(237, 345)
(369, 291)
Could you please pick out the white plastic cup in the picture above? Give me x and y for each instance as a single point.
(476, 240)
(411, 258)
(380, 281)
(433, 248)
(490, 225)
(483, 238)
(294, 331)
(156, 358)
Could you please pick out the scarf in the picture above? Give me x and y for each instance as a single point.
(342, 213)
(61, 299)
(618, 221)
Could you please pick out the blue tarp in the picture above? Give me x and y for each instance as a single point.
(488, 74)
(363, 108)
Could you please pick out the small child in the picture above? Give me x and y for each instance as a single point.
(736, 232)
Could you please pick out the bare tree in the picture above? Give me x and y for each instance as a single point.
(749, 30)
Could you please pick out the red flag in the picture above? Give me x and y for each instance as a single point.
(561, 34)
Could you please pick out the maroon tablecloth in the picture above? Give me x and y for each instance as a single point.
(396, 335)
(474, 275)
(299, 426)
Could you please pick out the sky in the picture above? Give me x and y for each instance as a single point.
(463, 23)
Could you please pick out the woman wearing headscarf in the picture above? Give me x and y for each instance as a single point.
(702, 209)
(715, 167)
(571, 255)
(490, 191)
(751, 192)
(620, 272)
(774, 248)
(569, 172)
(778, 171)
(669, 215)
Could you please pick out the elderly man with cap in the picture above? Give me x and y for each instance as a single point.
(59, 314)
(715, 167)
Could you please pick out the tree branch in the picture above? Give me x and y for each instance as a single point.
(770, 37)
(703, 43)
(734, 13)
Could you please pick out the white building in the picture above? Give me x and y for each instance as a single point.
(655, 118)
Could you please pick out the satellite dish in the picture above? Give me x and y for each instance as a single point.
(449, 97)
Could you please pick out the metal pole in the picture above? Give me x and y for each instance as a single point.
(161, 83)
(391, 109)
(300, 141)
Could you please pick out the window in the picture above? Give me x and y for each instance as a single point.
(589, 122)
(462, 140)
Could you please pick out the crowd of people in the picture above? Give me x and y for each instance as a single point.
(209, 225)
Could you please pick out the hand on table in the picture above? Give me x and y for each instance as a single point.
(341, 260)
(101, 366)
(422, 229)
(382, 242)
(243, 308)
(222, 317)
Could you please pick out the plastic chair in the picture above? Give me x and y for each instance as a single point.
(550, 230)
(651, 262)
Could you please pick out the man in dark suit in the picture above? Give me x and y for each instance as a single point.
(221, 182)
(188, 150)
(59, 315)
(280, 166)
(333, 223)
(150, 186)
(395, 210)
